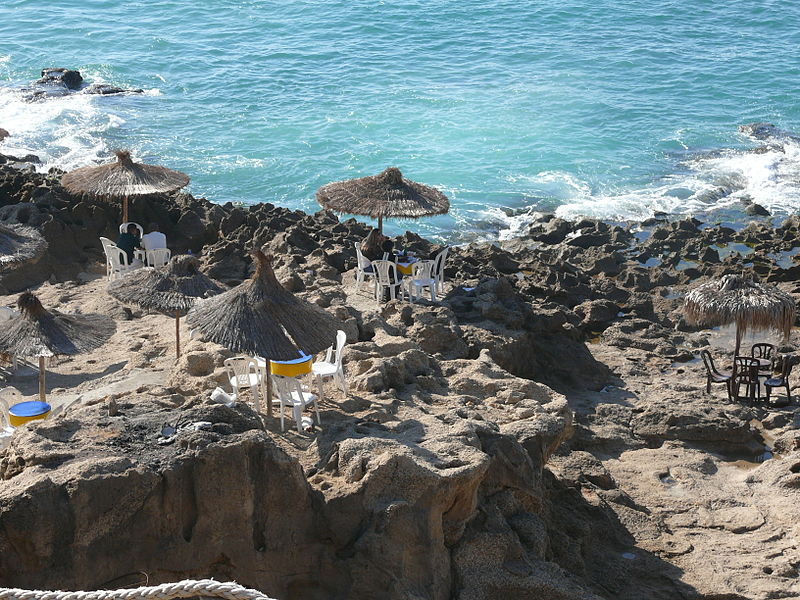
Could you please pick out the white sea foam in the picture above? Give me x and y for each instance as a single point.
(67, 132)
(713, 182)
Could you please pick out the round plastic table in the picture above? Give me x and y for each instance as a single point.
(27, 411)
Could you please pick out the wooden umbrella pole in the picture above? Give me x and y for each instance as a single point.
(738, 340)
(380, 223)
(125, 209)
(177, 334)
(41, 379)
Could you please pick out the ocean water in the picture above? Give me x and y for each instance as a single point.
(614, 109)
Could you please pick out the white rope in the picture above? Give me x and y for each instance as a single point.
(166, 591)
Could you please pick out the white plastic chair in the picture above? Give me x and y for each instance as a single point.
(438, 268)
(386, 277)
(158, 257)
(361, 268)
(331, 366)
(107, 243)
(9, 396)
(124, 227)
(422, 277)
(290, 393)
(116, 262)
(243, 374)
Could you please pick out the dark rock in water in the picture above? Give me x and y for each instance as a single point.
(105, 90)
(711, 196)
(3, 134)
(765, 131)
(760, 131)
(768, 148)
(55, 83)
(756, 210)
(69, 78)
(28, 158)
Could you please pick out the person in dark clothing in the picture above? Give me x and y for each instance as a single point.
(371, 246)
(387, 250)
(129, 241)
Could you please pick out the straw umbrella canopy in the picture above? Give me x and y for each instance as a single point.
(386, 195)
(19, 244)
(260, 318)
(122, 179)
(38, 333)
(739, 299)
(172, 290)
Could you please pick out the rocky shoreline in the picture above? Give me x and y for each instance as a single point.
(541, 432)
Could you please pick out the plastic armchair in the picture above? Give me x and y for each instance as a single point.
(764, 353)
(386, 278)
(107, 244)
(124, 227)
(745, 373)
(243, 374)
(332, 366)
(117, 262)
(364, 268)
(158, 257)
(780, 380)
(422, 276)
(290, 393)
(713, 375)
(438, 267)
(8, 397)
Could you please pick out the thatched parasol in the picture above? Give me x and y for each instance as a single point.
(37, 333)
(386, 195)
(122, 179)
(19, 244)
(750, 304)
(259, 317)
(172, 290)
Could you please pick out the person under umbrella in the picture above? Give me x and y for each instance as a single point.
(123, 179)
(739, 299)
(171, 291)
(386, 195)
(38, 333)
(19, 244)
(260, 318)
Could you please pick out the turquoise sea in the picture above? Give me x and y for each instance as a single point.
(606, 108)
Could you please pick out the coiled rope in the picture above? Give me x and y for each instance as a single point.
(166, 591)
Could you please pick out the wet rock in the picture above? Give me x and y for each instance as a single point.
(754, 210)
(68, 78)
(105, 90)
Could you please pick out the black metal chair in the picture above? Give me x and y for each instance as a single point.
(745, 373)
(713, 375)
(781, 379)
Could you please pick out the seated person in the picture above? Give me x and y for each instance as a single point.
(387, 250)
(154, 239)
(371, 246)
(129, 241)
